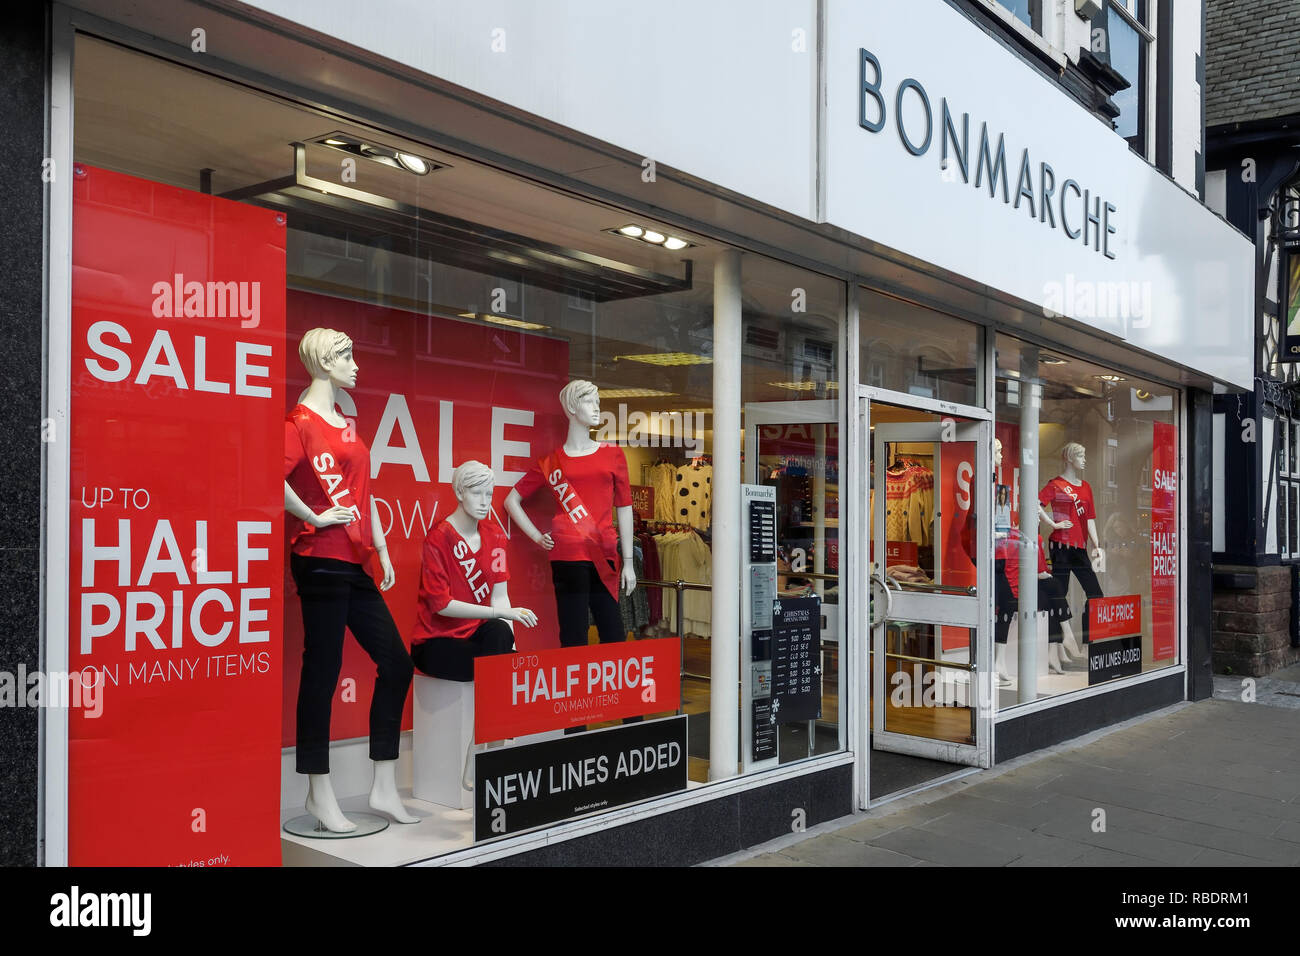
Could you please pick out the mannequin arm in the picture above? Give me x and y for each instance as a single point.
(1092, 534)
(377, 538)
(298, 508)
(628, 577)
(515, 508)
(1064, 522)
(499, 610)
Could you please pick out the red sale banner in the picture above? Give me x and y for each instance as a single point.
(431, 393)
(643, 501)
(518, 694)
(175, 518)
(900, 552)
(1164, 540)
(1115, 617)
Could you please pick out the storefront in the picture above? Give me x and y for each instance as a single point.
(817, 409)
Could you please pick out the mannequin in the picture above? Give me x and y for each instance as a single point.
(464, 610)
(587, 480)
(1066, 503)
(327, 487)
(1051, 600)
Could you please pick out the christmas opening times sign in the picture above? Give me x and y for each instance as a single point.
(796, 660)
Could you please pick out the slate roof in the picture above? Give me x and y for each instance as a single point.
(1252, 60)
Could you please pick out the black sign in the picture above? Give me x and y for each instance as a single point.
(762, 531)
(796, 659)
(1118, 657)
(517, 788)
(764, 737)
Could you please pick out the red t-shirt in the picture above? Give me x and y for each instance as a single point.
(1064, 500)
(1013, 560)
(450, 571)
(347, 475)
(600, 480)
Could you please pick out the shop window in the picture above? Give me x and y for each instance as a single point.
(1128, 48)
(1104, 510)
(471, 302)
(917, 351)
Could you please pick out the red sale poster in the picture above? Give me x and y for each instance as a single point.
(175, 518)
(518, 694)
(957, 463)
(431, 393)
(1114, 617)
(1164, 541)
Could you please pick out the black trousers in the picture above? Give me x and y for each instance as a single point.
(578, 588)
(1067, 560)
(452, 658)
(1005, 605)
(337, 594)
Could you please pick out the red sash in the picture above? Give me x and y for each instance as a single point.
(322, 459)
(569, 503)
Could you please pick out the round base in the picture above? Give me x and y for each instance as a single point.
(308, 826)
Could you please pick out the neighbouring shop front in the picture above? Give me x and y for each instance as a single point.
(683, 522)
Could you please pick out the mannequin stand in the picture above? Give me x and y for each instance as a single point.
(308, 826)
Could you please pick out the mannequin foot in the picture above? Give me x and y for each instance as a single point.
(1004, 679)
(322, 805)
(1072, 644)
(383, 793)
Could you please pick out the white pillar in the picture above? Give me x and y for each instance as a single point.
(724, 703)
(1031, 397)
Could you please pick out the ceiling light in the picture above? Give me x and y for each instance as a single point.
(667, 358)
(803, 386)
(1052, 360)
(1111, 378)
(413, 163)
(503, 320)
(334, 141)
(634, 393)
(651, 237)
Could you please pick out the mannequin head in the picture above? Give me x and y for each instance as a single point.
(1074, 455)
(327, 354)
(472, 483)
(581, 402)
(997, 453)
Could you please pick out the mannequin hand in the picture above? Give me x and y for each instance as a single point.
(1062, 524)
(628, 578)
(546, 542)
(521, 615)
(390, 576)
(331, 516)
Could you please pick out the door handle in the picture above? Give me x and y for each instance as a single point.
(879, 578)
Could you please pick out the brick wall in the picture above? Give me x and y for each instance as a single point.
(1251, 618)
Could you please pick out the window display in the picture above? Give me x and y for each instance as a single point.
(1107, 599)
(498, 454)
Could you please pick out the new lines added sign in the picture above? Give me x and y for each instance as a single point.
(518, 788)
(1115, 627)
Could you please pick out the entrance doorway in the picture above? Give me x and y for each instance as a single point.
(926, 600)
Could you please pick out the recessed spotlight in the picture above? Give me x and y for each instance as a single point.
(413, 163)
(651, 237)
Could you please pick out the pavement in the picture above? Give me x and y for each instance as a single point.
(1210, 783)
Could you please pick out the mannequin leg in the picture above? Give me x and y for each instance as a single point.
(1070, 642)
(1054, 659)
(383, 793)
(322, 804)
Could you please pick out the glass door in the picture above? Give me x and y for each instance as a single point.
(793, 447)
(927, 610)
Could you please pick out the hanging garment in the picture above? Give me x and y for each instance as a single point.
(662, 478)
(693, 495)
